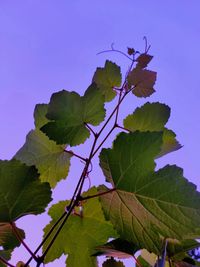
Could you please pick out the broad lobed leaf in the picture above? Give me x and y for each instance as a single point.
(143, 81)
(147, 205)
(107, 78)
(68, 113)
(21, 191)
(153, 117)
(50, 159)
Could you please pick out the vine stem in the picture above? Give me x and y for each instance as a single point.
(100, 194)
(88, 126)
(74, 154)
(46, 237)
(114, 50)
(22, 241)
(77, 193)
(5, 262)
(103, 140)
(123, 128)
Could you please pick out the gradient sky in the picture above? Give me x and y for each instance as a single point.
(48, 45)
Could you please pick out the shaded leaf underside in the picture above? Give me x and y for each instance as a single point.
(106, 78)
(147, 205)
(21, 192)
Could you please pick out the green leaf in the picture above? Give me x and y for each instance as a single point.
(149, 117)
(106, 78)
(6, 255)
(153, 117)
(40, 115)
(113, 263)
(21, 191)
(8, 239)
(69, 112)
(143, 81)
(81, 234)
(170, 143)
(50, 159)
(147, 205)
(117, 248)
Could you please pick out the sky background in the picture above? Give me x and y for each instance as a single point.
(49, 45)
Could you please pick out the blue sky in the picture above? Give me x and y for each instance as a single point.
(49, 45)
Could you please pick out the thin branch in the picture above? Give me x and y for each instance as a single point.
(120, 127)
(5, 262)
(114, 50)
(89, 128)
(117, 111)
(58, 231)
(111, 115)
(74, 154)
(103, 140)
(22, 241)
(46, 237)
(99, 194)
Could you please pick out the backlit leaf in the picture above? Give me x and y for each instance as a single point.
(69, 112)
(149, 117)
(143, 81)
(113, 263)
(106, 78)
(143, 60)
(147, 204)
(80, 235)
(153, 117)
(49, 158)
(170, 143)
(40, 115)
(21, 191)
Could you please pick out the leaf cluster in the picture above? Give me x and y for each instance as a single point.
(139, 207)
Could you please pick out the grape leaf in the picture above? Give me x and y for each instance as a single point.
(113, 263)
(106, 78)
(153, 117)
(117, 248)
(143, 81)
(80, 235)
(143, 60)
(149, 117)
(40, 118)
(6, 255)
(21, 191)
(170, 143)
(8, 239)
(50, 159)
(69, 112)
(146, 204)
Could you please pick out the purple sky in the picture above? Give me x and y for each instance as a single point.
(49, 45)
